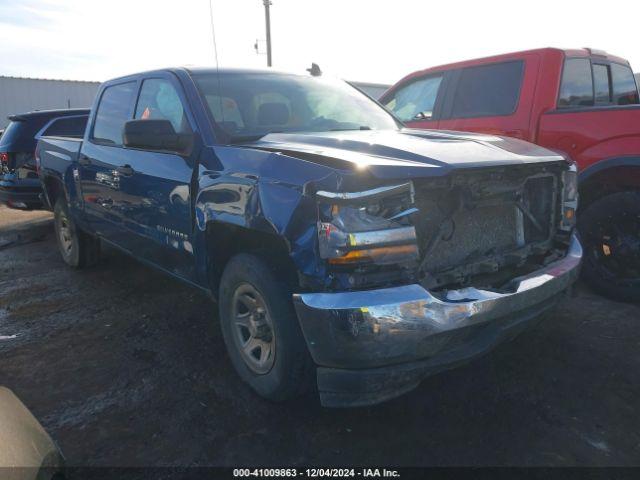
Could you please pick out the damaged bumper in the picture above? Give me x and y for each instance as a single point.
(374, 345)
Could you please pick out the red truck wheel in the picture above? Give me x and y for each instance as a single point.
(610, 233)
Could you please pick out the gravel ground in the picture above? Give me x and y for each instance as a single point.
(124, 366)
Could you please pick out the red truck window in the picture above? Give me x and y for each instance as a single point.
(610, 84)
(576, 89)
(488, 90)
(416, 100)
(625, 91)
(602, 84)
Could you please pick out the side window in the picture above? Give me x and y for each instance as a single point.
(67, 127)
(488, 90)
(416, 100)
(625, 91)
(601, 84)
(159, 100)
(113, 112)
(576, 89)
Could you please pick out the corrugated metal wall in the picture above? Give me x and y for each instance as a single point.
(19, 95)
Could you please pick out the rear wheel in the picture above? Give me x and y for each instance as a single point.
(78, 249)
(261, 330)
(610, 233)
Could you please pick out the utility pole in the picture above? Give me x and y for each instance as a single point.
(267, 19)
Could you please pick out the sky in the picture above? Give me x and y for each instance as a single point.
(362, 40)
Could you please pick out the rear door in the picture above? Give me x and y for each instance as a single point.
(494, 98)
(159, 212)
(102, 160)
(597, 111)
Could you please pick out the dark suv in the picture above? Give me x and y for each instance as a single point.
(19, 183)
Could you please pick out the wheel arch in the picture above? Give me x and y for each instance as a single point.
(609, 176)
(225, 240)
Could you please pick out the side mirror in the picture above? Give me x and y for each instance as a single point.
(156, 134)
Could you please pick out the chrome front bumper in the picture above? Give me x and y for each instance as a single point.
(393, 326)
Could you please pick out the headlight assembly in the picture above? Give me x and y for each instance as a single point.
(367, 227)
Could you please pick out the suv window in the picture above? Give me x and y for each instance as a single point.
(488, 90)
(625, 91)
(416, 100)
(576, 89)
(160, 100)
(67, 127)
(112, 113)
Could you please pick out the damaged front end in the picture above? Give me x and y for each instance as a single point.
(437, 271)
(472, 228)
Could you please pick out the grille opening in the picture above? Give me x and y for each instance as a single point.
(473, 226)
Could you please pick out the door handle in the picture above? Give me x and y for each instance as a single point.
(125, 170)
(84, 160)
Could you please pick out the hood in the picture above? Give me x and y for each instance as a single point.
(414, 152)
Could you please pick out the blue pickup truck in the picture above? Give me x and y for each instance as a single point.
(345, 252)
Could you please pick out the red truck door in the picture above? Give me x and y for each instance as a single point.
(597, 115)
(492, 98)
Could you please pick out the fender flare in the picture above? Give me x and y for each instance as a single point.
(627, 161)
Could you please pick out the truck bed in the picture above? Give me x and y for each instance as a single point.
(56, 155)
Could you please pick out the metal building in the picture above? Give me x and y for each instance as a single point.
(19, 95)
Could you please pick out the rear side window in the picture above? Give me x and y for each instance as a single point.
(112, 113)
(160, 100)
(67, 127)
(12, 134)
(19, 135)
(488, 90)
(625, 91)
(416, 100)
(576, 89)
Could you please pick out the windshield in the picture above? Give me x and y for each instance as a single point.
(248, 105)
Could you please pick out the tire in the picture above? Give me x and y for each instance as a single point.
(78, 249)
(610, 233)
(287, 370)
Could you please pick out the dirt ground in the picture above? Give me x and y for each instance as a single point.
(124, 366)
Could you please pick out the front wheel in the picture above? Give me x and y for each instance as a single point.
(261, 330)
(610, 233)
(78, 249)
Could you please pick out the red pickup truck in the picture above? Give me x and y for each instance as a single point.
(583, 103)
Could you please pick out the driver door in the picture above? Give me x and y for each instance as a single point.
(159, 215)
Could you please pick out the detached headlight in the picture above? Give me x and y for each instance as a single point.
(367, 227)
(569, 198)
